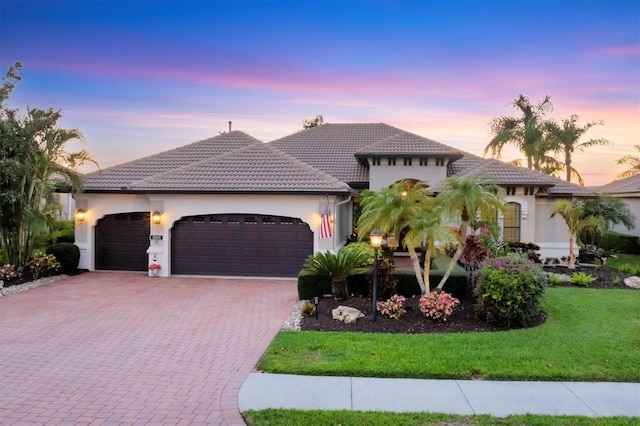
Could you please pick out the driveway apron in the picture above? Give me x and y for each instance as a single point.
(123, 348)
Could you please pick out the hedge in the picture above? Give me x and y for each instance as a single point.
(620, 243)
(310, 286)
(68, 255)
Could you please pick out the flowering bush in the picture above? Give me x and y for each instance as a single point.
(509, 290)
(8, 272)
(42, 264)
(154, 266)
(438, 305)
(393, 307)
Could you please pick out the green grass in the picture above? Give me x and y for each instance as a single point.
(589, 335)
(621, 260)
(273, 417)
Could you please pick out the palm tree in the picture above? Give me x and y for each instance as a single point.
(565, 139)
(612, 210)
(391, 210)
(425, 231)
(572, 211)
(467, 198)
(335, 267)
(633, 161)
(524, 132)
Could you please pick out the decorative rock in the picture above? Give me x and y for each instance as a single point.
(347, 314)
(633, 282)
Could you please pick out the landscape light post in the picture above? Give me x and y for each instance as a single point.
(376, 243)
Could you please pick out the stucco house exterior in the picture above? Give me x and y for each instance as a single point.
(235, 206)
(629, 190)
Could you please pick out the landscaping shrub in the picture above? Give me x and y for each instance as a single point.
(620, 243)
(8, 272)
(582, 279)
(531, 250)
(364, 252)
(509, 290)
(392, 307)
(63, 231)
(43, 265)
(310, 286)
(438, 305)
(68, 255)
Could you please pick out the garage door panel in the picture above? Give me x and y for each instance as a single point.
(237, 244)
(121, 242)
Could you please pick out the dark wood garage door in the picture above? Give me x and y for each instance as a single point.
(122, 241)
(240, 245)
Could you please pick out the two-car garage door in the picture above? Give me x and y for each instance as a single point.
(240, 245)
(231, 244)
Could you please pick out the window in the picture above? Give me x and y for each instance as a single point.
(511, 231)
(407, 161)
(424, 161)
(391, 161)
(376, 161)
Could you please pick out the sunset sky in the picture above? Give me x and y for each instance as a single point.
(140, 77)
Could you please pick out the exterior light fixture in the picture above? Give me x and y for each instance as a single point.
(80, 215)
(376, 242)
(155, 217)
(316, 302)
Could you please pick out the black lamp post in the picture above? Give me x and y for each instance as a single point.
(376, 242)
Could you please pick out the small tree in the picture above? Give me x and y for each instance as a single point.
(572, 211)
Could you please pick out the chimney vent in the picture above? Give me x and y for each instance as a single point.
(229, 126)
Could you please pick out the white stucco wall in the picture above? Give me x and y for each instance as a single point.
(552, 234)
(308, 208)
(383, 176)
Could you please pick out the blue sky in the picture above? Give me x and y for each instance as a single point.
(139, 77)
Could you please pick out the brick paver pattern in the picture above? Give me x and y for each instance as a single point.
(123, 348)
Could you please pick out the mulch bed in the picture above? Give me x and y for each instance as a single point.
(463, 319)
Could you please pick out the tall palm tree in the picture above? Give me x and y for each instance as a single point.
(525, 132)
(633, 161)
(572, 211)
(390, 210)
(466, 198)
(565, 139)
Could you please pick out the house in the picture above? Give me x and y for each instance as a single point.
(629, 190)
(233, 205)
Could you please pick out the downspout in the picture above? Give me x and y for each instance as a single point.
(335, 209)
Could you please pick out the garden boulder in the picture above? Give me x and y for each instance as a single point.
(633, 282)
(346, 314)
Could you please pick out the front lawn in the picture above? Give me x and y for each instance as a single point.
(589, 335)
(273, 417)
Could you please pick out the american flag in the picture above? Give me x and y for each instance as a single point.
(325, 226)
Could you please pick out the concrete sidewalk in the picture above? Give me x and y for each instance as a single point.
(466, 397)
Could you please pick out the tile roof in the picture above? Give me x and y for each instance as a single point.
(622, 186)
(508, 175)
(410, 144)
(331, 147)
(123, 175)
(255, 168)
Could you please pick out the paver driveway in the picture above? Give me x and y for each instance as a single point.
(123, 348)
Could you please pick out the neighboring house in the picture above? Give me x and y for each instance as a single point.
(629, 190)
(232, 205)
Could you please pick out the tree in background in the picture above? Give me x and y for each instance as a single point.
(612, 210)
(32, 153)
(564, 139)
(633, 161)
(466, 199)
(524, 132)
(572, 211)
(314, 122)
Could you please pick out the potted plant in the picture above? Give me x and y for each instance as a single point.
(155, 268)
(335, 267)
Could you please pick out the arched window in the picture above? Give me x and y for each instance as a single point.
(512, 216)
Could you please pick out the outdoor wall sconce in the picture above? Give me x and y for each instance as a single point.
(80, 215)
(376, 242)
(155, 217)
